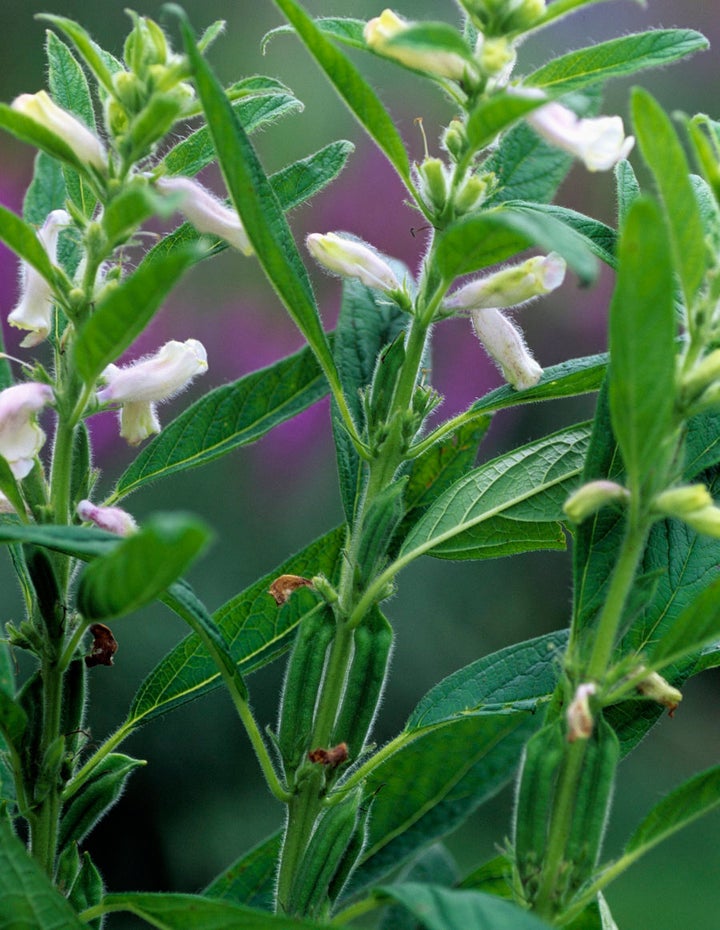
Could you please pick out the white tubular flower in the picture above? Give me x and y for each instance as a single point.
(511, 286)
(113, 519)
(20, 437)
(579, 716)
(592, 496)
(34, 309)
(138, 387)
(84, 143)
(352, 260)
(504, 343)
(206, 213)
(379, 31)
(658, 689)
(5, 505)
(600, 143)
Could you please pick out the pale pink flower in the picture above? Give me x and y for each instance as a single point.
(598, 142)
(206, 213)
(113, 519)
(20, 436)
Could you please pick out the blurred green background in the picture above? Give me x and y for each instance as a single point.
(200, 801)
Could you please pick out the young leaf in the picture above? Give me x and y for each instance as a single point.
(46, 192)
(627, 189)
(697, 796)
(127, 309)
(347, 30)
(250, 879)
(141, 567)
(228, 417)
(259, 209)
(298, 182)
(93, 55)
(664, 154)
(616, 58)
(697, 626)
(351, 86)
(438, 908)
(642, 344)
(83, 542)
(494, 114)
(599, 238)
(28, 897)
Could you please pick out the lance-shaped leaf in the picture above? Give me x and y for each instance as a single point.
(484, 239)
(616, 58)
(83, 542)
(28, 897)
(251, 878)
(528, 484)
(642, 344)
(141, 567)
(495, 113)
(22, 239)
(599, 238)
(344, 29)
(259, 209)
(697, 626)
(126, 310)
(228, 417)
(664, 154)
(352, 87)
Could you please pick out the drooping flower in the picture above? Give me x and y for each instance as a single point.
(20, 436)
(658, 689)
(352, 259)
(592, 496)
(143, 384)
(206, 213)
(380, 31)
(33, 310)
(693, 504)
(113, 519)
(599, 142)
(504, 343)
(580, 721)
(84, 143)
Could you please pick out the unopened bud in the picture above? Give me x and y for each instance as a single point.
(693, 505)
(44, 111)
(580, 721)
(113, 519)
(658, 689)
(504, 342)
(472, 193)
(454, 139)
(352, 259)
(702, 375)
(433, 182)
(511, 286)
(591, 497)
(497, 58)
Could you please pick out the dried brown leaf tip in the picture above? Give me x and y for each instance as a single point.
(330, 757)
(103, 648)
(283, 586)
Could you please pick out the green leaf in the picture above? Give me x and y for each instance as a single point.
(251, 878)
(298, 182)
(22, 239)
(568, 379)
(439, 908)
(352, 87)
(697, 626)
(130, 208)
(254, 628)
(97, 795)
(28, 900)
(664, 154)
(9, 486)
(228, 417)
(599, 238)
(13, 719)
(477, 241)
(125, 311)
(345, 29)
(434, 864)
(528, 484)
(460, 745)
(196, 151)
(495, 113)
(697, 796)
(193, 912)
(259, 210)
(429, 37)
(83, 542)
(141, 567)
(46, 192)
(642, 344)
(627, 189)
(95, 58)
(616, 58)
(28, 130)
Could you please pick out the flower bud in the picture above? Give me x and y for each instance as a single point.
(379, 33)
(693, 505)
(657, 689)
(497, 58)
(580, 721)
(33, 311)
(84, 143)
(113, 519)
(704, 374)
(146, 45)
(511, 286)
(591, 497)
(504, 343)
(600, 143)
(433, 182)
(473, 191)
(141, 385)
(20, 437)
(454, 139)
(352, 259)
(206, 213)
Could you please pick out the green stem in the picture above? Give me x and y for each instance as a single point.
(82, 775)
(358, 909)
(45, 820)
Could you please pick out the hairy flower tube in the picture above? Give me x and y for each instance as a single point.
(504, 343)
(33, 310)
(206, 213)
(352, 259)
(379, 33)
(579, 716)
(592, 496)
(84, 143)
(692, 504)
(600, 142)
(20, 436)
(143, 384)
(113, 519)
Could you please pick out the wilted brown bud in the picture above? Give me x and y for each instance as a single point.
(330, 757)
(656, 688)
(103, 648)
(579, 716)
(284, 585)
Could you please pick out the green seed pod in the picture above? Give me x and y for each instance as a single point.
(592, 801)
(73, 710)
(533, 806)
(47, 591)
(384, 382)
(49, 774)
(324, 853)
(95, 798)
(352, 854)
(372, 643)
(302, 682)
(68, 868)
(381, 520)
(30, 700)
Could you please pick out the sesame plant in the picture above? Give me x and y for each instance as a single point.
(120, 142)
